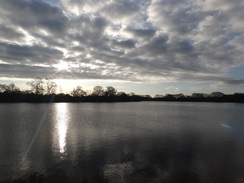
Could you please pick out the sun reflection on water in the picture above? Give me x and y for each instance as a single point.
(62, 125)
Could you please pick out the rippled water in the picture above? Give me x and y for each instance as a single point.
(123, 142)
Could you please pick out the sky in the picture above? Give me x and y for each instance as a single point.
(141, 46)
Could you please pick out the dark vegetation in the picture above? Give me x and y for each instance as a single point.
(44, 90)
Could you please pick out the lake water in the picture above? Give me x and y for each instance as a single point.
(168, 142)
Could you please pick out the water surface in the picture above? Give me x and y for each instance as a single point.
(123, 142)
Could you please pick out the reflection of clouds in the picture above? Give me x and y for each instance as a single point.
(62, 125)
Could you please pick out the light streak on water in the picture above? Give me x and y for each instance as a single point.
(62, 125)
(226, 126)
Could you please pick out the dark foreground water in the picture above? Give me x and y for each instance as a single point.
(122, 142)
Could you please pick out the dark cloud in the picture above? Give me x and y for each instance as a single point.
(8, 33)
(158, 45)
(124, 43)
(234, 82)
(15, 53)
(29, 14)
(142, 32)
(182, 46)
(24, 71)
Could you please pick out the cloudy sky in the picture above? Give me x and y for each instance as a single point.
(142, 46)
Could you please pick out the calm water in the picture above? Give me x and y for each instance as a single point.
(123, 142)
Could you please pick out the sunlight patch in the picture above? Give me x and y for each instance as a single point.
(62, 66)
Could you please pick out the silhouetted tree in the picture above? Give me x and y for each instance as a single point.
(110, 91)
(11, 88)
(216, 94)
(132, 94)
(122, 94)
(98, 91)
(50, 86)
(42, 88)
(78, 92)
(198, 95)
(37, 86)
(3, 88)
(178, 96)
(158, 96)
(169, 97)
(146, 96)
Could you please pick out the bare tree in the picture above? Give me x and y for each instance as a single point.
(98, 91)
(50, 86)
(3, 88)
(8, 88)
(37, 86)
(12, 88)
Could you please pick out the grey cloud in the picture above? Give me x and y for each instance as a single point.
(142, 32)
(52, 41)
(24, 71)
(124, 43)
(28, 54)
(182, 46)
(8, 33)
(120, 9)
(29, 14)
(201, 77)
(233, 82)
(157, 46)
(27, 71)
(176, 17)
(85, 29)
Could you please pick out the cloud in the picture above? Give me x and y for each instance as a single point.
(8, 33)
(172, 88)
(142, 33)
(15, 53)
(124, 43)
(121, 11)
(235, 82)
(34, 14)
(228, 82)
(157, 41)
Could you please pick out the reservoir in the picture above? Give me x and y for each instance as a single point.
(122, 142)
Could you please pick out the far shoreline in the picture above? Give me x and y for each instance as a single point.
(65, 98)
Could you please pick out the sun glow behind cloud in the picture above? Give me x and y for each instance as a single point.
(62, 66)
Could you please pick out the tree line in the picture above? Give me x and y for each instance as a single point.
(45, 90)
